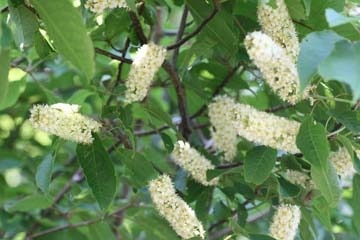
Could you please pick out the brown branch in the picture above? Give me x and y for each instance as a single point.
(230, 165)
(138, 29)
(4, 9)
(180, 92)
(303, 24)
(218, 89)
(77, 225)
(279, 108)
(198, 29)
(180, 34)
(113, 56)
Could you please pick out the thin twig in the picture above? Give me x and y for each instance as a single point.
(180, 92)
(113, 56)
(230, 165)
(198, 29)
(138, 29)
(77, 225)
(180, 34)
(279, 108)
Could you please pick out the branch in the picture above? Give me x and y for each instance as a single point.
(76, 225)
(138, 29)
(4, 9)
(198, 29)
(113, 56)
(219, 88)
(180, 92)
(279, 108)
(180, 34)
(230, 165)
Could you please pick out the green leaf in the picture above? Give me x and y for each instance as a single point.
(28, 204)
(335, 19)
(312, 142)
(5, 36)
(99, 171)
(350, 119)
(343, 65)
(141, 169)
(155, 111)
(219, 28)
(327, 182)
(355, 202)
(260, 237)
(169, 145)
(4, 72)
(80, 96)
(321, 211)
(258, 164)
(307, 6)
(44, 172)
(65, 27)
(25, 24)
(15, 89)
(210, 174)
(347, 144)
(314, 48)
(42, 46)
(287, 189)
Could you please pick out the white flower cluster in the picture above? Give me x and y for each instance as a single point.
(266, 129)
(223, 134)
(299, 178)
(352, 9)
(175, 210)
(65, 121)
(342, 162)
(147, 62)
(192, 161)
(98, 6)
(277, 67)
(285, 222)
(276, 23)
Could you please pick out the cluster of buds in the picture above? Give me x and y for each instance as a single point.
(300, 178)
(342, 162)
(65, 121)
(175, 210)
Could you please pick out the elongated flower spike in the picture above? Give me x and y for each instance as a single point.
(266, 128)
(223, 134)
(147, 61)
(285, 222)
(175, 210)
(65, 121)
(277, 24)
(277, 67)
(192, 161)
(99, 6)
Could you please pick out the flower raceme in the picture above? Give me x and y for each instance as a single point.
(175, 210)
(65, 121)
(147, 62)
(342, 162)
(98, 6)
(192, 161)
(277, 24)
(265, 128)
(300, 178)
(277, 67)
(223, 134)
(285, 222)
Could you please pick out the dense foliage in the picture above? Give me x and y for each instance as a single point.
(179, 119)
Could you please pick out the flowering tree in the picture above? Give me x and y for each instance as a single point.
(179, 119)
